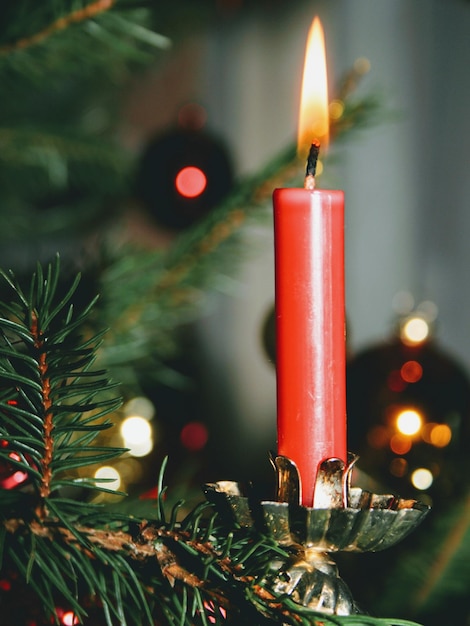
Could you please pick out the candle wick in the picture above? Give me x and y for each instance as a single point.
(312, 165)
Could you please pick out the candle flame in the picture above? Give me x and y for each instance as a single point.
(313, 117)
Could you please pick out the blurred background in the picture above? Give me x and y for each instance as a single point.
(404, 176)
(143, 141)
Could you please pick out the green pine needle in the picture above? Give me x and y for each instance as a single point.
(50, 393)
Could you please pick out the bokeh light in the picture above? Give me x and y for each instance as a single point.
(336, 109)
(409, 422)
(440, 435)
(399, 467)
(399, 444)
(141, 406)
(194, 436)
(109, 473)
(135, 430)
(15, 478)
(415, 330)
(422, 479)
(190, 182)
(362, 65)
(411, 371)
(136, 433)
(69, 619)
(141, 449)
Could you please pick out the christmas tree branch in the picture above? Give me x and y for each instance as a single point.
(48, 424)
(175, 555)
(61, 23)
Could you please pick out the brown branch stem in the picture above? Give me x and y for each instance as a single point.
(48, 424)
(99, 6)
(154, 543)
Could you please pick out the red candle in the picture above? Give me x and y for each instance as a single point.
(310, 327)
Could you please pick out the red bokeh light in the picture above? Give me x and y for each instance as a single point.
(411, 371)
(69, 619)
(194, 436)
(190, 182)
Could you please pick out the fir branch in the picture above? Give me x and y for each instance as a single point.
(224, 582)
(61, 23)
(48, 424)
(52, 392)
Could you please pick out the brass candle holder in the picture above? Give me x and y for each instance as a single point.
(342, 518)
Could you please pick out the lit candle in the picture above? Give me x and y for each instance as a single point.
(310, 311)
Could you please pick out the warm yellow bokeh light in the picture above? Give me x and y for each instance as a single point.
(414, 330)
(109, 473)
(422, 478)
(135, 430)
(362, 65)
(440, 435)
(140, 449)
(409, 422)
(400, 444)
(136, 433)
(336, 109)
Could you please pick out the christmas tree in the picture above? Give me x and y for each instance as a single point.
(66, 557)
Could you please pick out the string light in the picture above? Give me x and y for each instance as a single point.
(194, 436)
(409, 422)
(438, 435)
(422, 479)
(109, 473)
(411, 371)
(400, 444)
(69, 619)
(140, 405)
(414, 330)
(137, 435)
(190, 182)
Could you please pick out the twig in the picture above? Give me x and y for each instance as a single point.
(59, 24)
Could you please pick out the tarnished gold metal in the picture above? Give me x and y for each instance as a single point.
(342, 518)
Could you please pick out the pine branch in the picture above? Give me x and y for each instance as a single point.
(74, 17)
(49, 22)
(223, 576)
(49, 390)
